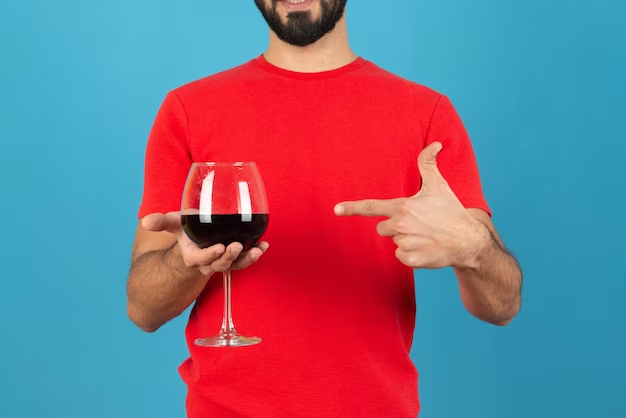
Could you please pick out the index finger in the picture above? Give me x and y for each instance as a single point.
(368, 207)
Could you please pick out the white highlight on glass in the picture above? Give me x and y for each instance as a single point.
(245, 204)
(206, 198)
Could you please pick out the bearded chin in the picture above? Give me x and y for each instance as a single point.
(300, 29)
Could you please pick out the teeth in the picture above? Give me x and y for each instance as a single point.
(295, 1)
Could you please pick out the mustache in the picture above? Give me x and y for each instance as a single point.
(275, 2)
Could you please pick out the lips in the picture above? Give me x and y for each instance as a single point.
(293, 5)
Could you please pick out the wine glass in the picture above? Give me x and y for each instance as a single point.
(225, 202)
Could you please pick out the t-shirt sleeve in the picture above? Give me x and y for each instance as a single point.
(456, 160)
(167, 159)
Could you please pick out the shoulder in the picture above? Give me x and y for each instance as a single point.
(221, 82)
(402, 87)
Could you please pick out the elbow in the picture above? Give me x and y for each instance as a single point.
(497, 320)
(501, 322)
(499, 311)
(503, 318)
(500, 316)
(141, 320)
(145, 327)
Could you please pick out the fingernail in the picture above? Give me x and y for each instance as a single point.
(339, 210)
(254, 256)
(219, 251)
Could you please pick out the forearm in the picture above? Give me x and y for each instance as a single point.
(491, 285)
(160, 287)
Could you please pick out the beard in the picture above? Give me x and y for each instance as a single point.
(301, 29)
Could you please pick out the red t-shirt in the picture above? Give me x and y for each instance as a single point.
(334, 307)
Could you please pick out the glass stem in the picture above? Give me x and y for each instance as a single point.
(227, 323)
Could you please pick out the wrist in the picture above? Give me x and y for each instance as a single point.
(173, 258)
(475, 244)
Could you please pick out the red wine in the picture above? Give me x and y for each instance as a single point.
(225, 229)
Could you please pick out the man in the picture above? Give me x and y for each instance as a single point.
(368, 176)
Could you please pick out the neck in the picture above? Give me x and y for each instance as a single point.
(331, 52)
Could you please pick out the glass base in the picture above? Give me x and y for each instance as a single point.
(227, 340)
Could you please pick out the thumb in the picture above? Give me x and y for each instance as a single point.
(427, 165)
(158, 222)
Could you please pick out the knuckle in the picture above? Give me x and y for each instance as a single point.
(235, 250)
(397, 239)
(205, 271)
(408, 258)
(189, 261)
(369, 206)
(400, 255)
(205, 258)
(230, 256)
(405, 208)
(254, 256)
(228, 261)
(412, 260)
(401, 225)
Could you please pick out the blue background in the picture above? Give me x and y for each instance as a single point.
(539, 84)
